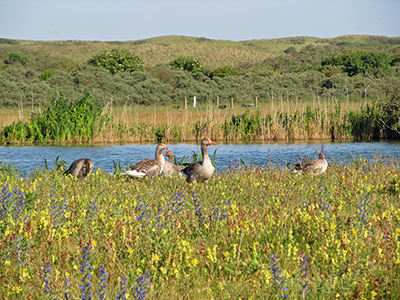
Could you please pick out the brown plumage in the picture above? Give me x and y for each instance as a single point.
(80, 168)
(313, 167)
(150, 168)
(170, 168)
(200, 171)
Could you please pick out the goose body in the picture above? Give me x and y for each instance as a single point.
(200, 171)
(80, 168)
(170, 168)
(150, 168)
(313, 167)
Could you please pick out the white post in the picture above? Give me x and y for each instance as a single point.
(194, 101)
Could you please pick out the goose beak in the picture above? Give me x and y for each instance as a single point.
(212, 143)
(165, 154)
(165, 148)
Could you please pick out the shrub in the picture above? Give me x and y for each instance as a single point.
(118, 61)
(189, 64)
(355, 63)
(47, 74)
(15, 58)
(225, 72)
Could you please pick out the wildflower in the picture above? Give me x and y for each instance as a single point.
(12, 204)
(276, 275)
(199, 209)
(122, 293)
(46, 280)
(143, 213)
(324, 204)
(304, 282)
(67, 286)
(86, 269)
(57, 210)
(142, 282)
(102, 290)
(363, 211)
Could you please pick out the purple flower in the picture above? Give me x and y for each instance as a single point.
(276, 275)
(86, 269)
(142, 284)
(304, 282)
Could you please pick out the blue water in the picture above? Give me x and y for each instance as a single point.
(29, 158)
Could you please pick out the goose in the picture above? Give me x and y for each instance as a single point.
(81, 168)
(313, 167)
(170, 168)
(150, 168)
(200, 171)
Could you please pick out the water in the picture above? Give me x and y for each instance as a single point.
(29, 158)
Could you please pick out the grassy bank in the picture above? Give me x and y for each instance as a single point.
(84, 121)
(251, 233)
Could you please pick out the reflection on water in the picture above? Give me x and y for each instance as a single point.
(29, 158)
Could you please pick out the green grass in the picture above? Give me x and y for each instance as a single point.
(206, 242)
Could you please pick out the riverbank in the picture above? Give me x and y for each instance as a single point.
(85, 121)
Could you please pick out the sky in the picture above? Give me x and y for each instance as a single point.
(130, 20)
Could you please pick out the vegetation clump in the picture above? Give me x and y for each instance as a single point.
(116, 60)
(189, 64)
(62, 121)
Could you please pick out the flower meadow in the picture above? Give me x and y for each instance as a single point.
(253, 232)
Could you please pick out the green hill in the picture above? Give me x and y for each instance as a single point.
(276, 68)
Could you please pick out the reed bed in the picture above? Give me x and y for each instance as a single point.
(253, 232)
(275, 120)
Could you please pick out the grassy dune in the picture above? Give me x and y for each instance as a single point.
(252, 233)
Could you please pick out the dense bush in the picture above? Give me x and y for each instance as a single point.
(224, 72)
(354, 63)
(15, 58)
(189, 64)
(118, 61)
(47, 74)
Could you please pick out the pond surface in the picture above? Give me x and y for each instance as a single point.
(29, 158)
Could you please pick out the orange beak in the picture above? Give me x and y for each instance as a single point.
(212, 143)
(165, 148)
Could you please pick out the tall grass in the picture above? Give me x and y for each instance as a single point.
(84, 121)
(62, 121)
(251, 233)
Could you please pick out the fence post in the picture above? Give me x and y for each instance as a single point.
(256, 104)
(185, 103)
(231, 102)
(194, 101)
(217, 101)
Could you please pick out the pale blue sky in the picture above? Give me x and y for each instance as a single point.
(124, 20)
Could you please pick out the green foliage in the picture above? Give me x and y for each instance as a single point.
(354, 63)
(224, 72)
(15, 58)
(62, 121)
(189, 64)
(118, 61)
(47, 74)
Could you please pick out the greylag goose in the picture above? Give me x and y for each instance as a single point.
(170, 168)
(313, 167)
(150, 168)
(200, 171)
(80, 168)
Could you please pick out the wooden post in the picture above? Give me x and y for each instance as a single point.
(231, 102)
(185, 103)
(256, 104)
(194, 101)
(217, 101)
